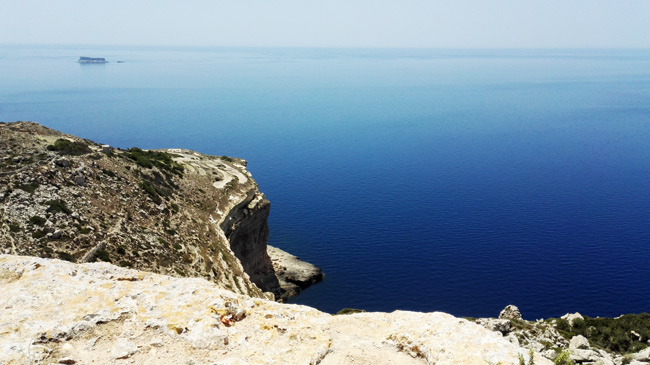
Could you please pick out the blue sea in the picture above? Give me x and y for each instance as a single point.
(429, 180)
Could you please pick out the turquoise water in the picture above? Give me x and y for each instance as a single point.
(451, 180)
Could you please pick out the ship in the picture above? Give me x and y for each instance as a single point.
(92, 60)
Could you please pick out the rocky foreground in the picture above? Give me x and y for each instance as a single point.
(55, 311)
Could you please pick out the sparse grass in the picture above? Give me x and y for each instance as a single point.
(350, 311)
(108, 172)
(30, 188)
(564, 358)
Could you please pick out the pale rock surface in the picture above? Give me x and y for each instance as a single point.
(579, 342)
(570, 317)
(510, 312)
(58, 312)
(643, 355)
(499, 325)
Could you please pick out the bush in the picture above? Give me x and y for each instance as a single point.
(66, 147)
(65, 256)
(38, 234)
(611, 334)
(151, 190)
(350, 311)
(103, 255)
(30, 188)
(37, 221)
(14, 227)
(149, 159)
(56, 206)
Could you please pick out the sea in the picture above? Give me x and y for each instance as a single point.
(427, 180)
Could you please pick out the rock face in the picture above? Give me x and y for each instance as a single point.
(58, 312)
(175, 211)
(293, 273)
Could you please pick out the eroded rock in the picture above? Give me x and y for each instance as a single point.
(100, 313)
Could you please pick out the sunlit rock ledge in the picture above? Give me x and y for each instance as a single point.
(58, 312)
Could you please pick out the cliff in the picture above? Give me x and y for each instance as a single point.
(58, 312)
(175, 212)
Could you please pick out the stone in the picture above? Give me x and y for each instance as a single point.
(80, 180)
(62, 162)
(570, 317)
(643, 355)
(510, 312)
(104, 313)
(579, 342)
(57, 234)
(498, 325)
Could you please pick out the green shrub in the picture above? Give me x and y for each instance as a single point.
(66, 147)
(38, 234)
(121, 250)
(56, 206)
(14, 227)
(65, 256)
(149, 159)
(37, 221)
(108, 172)
(611, 334)
(104, 255)
(564, 358)
(30, 188)
(124, 263)
(151, 190)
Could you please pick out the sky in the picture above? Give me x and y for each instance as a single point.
(330, 23)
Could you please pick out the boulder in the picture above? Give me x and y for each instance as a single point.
(643, 355)
(497, 325)
(510, 312)
(62, 162)
(570, 317)
(579, 342)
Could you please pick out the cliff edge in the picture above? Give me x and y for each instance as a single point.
(174, 211)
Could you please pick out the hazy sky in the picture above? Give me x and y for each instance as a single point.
(329, 23)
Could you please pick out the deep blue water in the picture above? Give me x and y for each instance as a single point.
(430, 180)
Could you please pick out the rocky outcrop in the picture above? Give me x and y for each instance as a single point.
(58, 312)
(510, 312)
(293, 273)
(175, 211)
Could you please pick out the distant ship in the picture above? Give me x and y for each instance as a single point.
(92, 60)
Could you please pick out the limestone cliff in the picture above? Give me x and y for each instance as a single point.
(58, 312)
(175, 211)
